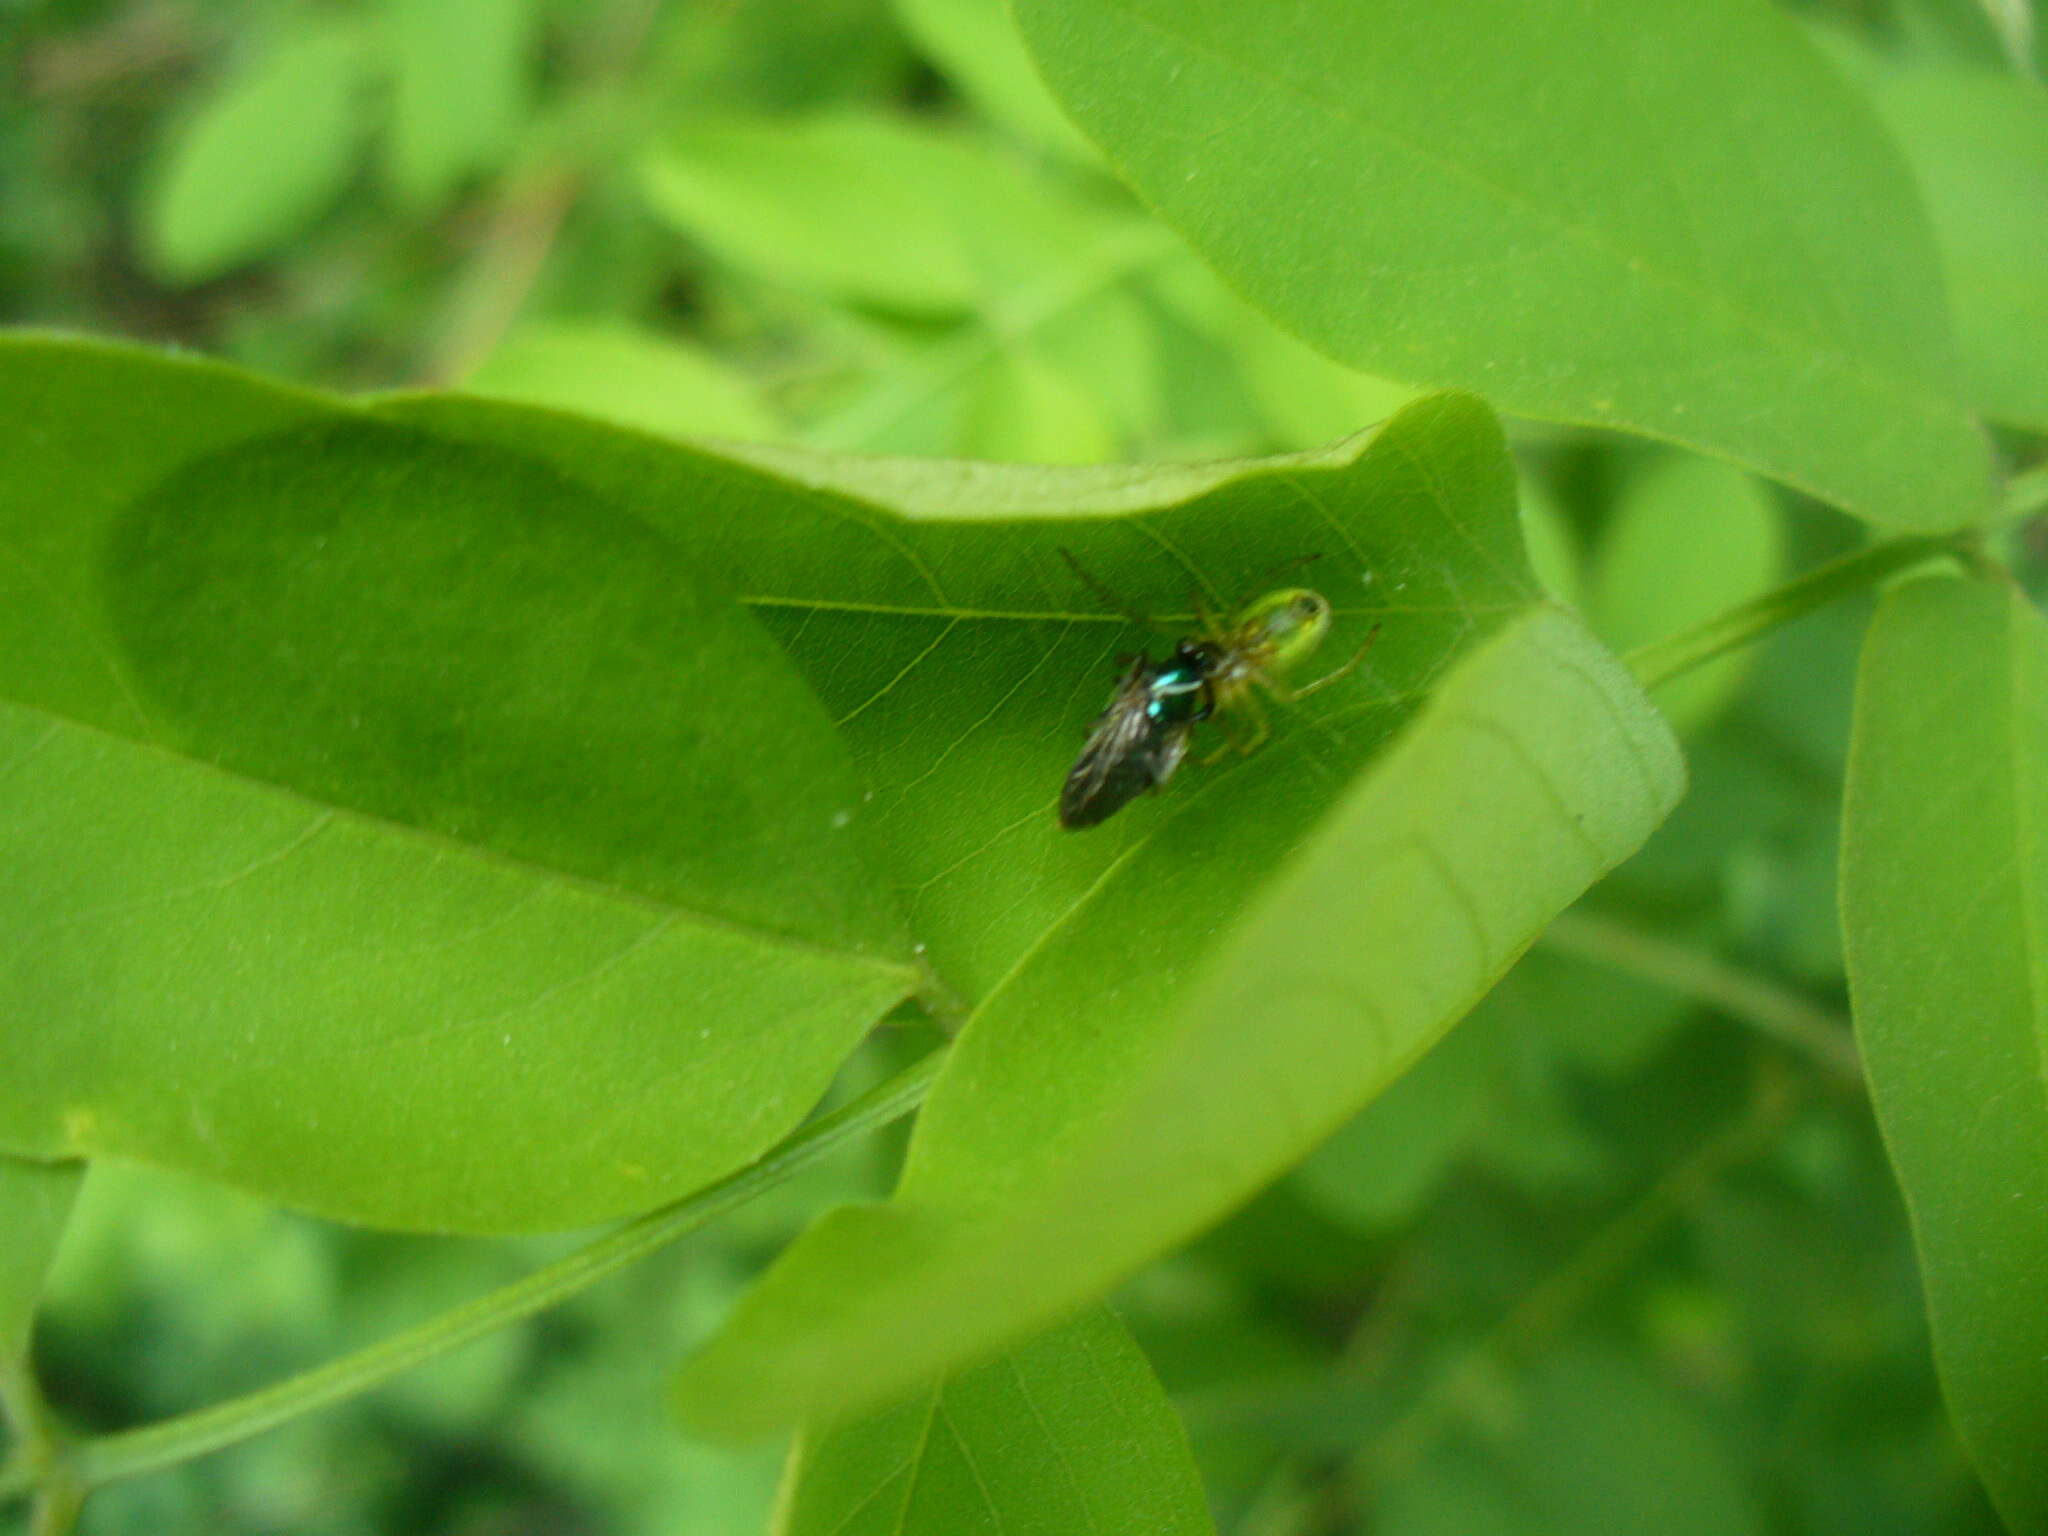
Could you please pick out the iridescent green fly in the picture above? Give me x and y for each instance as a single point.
(1137, 743)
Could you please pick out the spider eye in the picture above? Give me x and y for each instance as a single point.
(1308, 605)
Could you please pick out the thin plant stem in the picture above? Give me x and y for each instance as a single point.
(58, 1503)
(33, 1454)
(1763, 1005)
(130, 1453)
(1661, 660)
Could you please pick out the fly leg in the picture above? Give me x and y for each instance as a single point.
(1254, 713)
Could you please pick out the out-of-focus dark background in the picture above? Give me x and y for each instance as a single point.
(1622, 1256)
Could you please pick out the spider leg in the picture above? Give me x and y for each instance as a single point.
(1288, 694)
(1108, 598)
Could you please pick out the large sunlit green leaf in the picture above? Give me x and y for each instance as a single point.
(260, 158)
(1155, 1058)
(1670, 218)
(35, 1203)
(1068, 1432)
(394, 826)
(1978, 143)
(1945, 912)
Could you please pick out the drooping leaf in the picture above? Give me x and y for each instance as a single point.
(1686, 538)
(1109, 1098)
(1945, 916)
(963, 660)
(1067, 1432)
(262, 158)
(460, 90)
(394, 826)
(35, 1203)
(626, 376)
(1674, 219)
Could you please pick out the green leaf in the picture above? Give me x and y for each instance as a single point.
(859, 207)
(1068, 1432)
(261, 158)
(626, 376)
(1133, 1078)
(975, 42)
(1048, 357)
(1378, 1170)
(393, 826)
(928, 606)
(1673, 219)
(460, 95)
(1978, 144)
(35, 1204)
(1687, 539)
(1052, 368)
(1945, 916)
(1589, 1442)
(1305, 397)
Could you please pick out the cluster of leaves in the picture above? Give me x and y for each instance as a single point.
(488, 813)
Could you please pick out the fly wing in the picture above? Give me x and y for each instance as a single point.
(1126, 754)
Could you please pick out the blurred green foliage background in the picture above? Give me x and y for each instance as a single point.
(1622, 1256)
